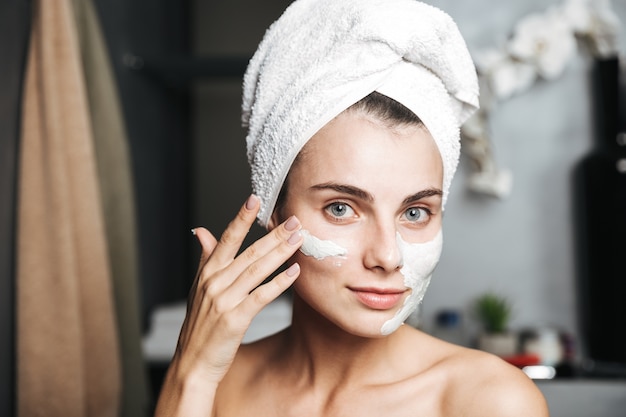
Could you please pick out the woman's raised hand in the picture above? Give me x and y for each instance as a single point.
(225, 297)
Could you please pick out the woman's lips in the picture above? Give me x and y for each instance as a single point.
(378, 299)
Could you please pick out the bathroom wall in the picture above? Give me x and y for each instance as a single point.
(521, 246)
(232, 28)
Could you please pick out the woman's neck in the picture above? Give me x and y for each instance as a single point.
(325, 354)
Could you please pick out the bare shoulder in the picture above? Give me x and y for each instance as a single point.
(484, 385)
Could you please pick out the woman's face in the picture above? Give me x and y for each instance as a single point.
(363, 186)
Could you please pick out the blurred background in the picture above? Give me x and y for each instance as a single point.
(514, 234)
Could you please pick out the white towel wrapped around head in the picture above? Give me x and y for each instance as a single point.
(322, 56)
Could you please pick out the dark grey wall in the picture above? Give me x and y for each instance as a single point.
(156, 115)
(221, 177)
(14, 25)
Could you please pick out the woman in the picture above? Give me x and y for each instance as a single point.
(353, 141)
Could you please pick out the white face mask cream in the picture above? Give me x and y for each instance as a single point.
(318, 248)
(418, 263)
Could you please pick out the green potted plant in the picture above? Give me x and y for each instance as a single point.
(494, 312)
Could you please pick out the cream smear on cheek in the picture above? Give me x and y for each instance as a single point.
(418, 263)
(318, 248)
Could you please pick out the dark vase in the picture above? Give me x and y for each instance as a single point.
(600, 213)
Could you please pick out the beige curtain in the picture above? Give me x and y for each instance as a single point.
(75, 230)
(114, 173)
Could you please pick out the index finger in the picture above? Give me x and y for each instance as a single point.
(231, 240)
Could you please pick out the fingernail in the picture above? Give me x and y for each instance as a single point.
(293, 270)
(251, 202)
(292, 224)
(193, 232)
(294, 238)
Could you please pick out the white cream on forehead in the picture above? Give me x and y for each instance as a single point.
(318, 248)
(418, 263)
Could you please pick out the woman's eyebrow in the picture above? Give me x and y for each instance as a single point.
(429, 192)
(345, 189)
(365, 196)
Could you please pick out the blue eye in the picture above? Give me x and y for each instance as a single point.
(339, 209)
(416, 214)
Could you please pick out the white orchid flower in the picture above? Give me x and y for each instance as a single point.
(506, 75)
(605, 29)
(595, 21)
(512, 77)
(577, 14)
(546, 41)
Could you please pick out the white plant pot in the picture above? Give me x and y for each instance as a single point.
(501, 344)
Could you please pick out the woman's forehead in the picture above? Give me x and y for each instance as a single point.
(357, 149)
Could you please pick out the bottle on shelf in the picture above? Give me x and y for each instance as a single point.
(600, 213)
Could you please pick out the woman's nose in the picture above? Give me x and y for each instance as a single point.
(382, 251)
